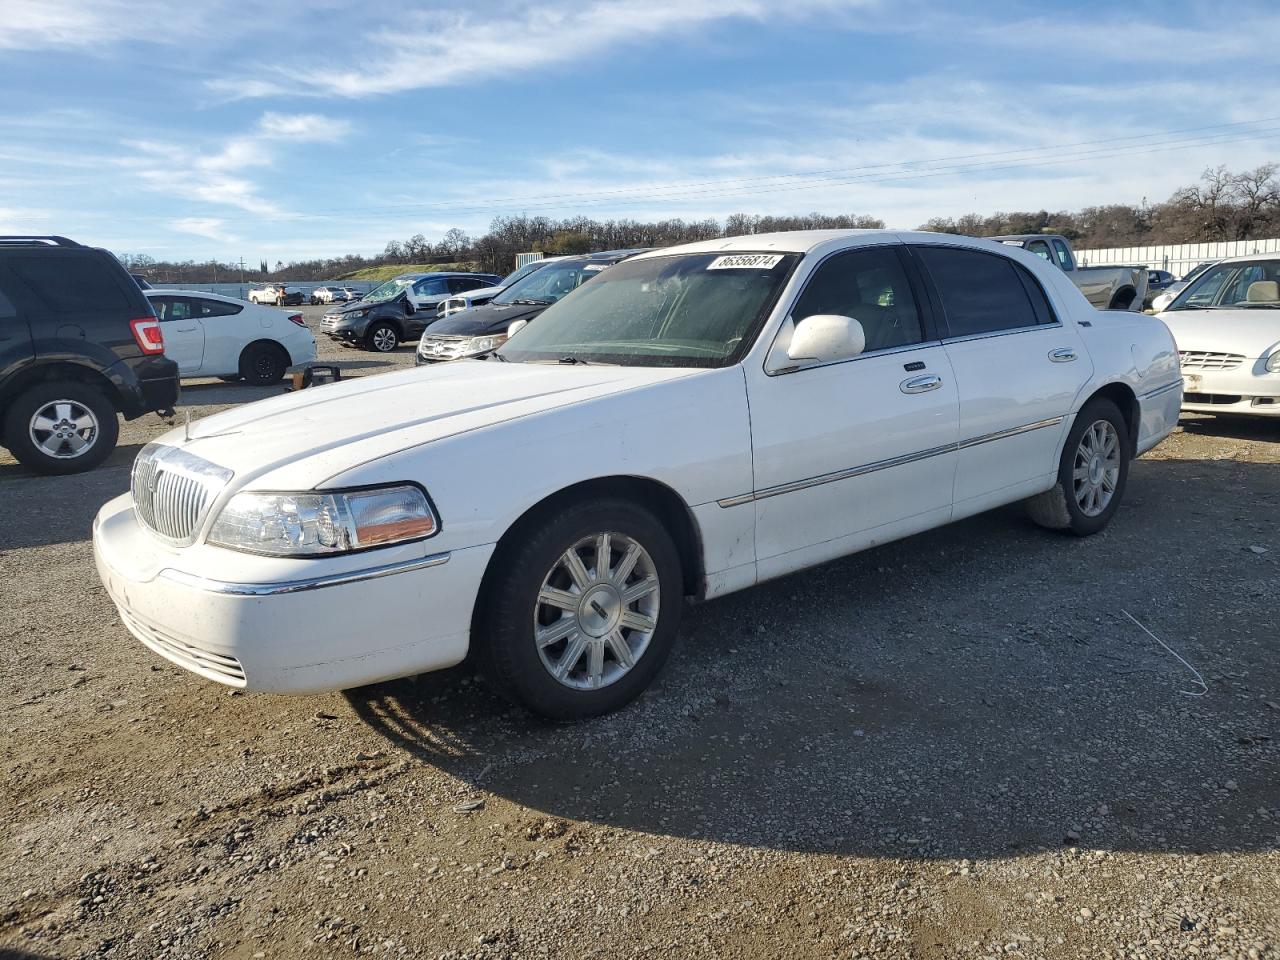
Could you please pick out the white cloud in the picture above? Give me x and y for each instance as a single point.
(221, 176)
(94, 25)
(440, 48)
(210, 227)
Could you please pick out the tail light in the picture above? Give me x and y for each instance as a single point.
(146, 330)
(297, 319)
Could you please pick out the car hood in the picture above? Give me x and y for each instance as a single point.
(1252, 333)
(300, 440)
(352, 306)
(488, 318)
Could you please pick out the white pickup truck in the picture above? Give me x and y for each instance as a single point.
(1107, 288)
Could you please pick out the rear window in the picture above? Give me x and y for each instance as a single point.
(71, 284)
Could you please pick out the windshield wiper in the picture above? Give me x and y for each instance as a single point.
(532, 302)
(571, 359)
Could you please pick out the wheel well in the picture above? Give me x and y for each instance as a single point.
(269, 343)
(658, 497)
(60, 371)
(1123, 397)
(1125, 294)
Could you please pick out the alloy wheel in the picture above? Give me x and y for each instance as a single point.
(384, 339)
(64, 429)
(596, 611)
(1096, 470)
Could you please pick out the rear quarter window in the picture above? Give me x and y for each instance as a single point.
(72, 284)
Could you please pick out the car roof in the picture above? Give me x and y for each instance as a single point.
(440, 273)
(1274, 255)
(809, 241)
(170, 291)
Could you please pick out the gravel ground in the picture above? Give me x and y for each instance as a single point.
(952, 746)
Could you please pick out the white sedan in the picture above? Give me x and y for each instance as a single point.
(1227, 326)
(691, 422)
(209, 335)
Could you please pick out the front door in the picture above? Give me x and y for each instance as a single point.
(1018, 370)
(183, 332)
(852, 453)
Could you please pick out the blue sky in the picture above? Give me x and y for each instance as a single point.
(201, 129)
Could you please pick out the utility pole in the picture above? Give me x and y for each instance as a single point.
(242, 269)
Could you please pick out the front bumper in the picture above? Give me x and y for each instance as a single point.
(344, 330)
(1248, 389)
(289, 625)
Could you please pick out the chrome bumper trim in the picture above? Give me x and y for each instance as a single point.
(298, 586)
(851, 472)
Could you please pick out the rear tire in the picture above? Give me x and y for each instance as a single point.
(539, 614)
(61, 427)
(1092, 473)
(263, 364)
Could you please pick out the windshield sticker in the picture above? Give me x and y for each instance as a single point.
(746, 261)
(590, 267)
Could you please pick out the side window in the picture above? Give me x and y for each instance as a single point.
(1041, 249)
(217, 308)
(431, 288)
(1039, 301)
(980, 292)
(1063, 254)
(172, 308)
(870, 286)
(69, 284)
(462, 284)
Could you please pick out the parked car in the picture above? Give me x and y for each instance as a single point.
(479, 297)
(1157, 282)
(1166, 296)
(1107, 288)
(693, 421)
(142, 282)
(78, 344)
(280, 294)
(487, 326)
(332, 295)
(1227, 325)
(398, 310)
(209, 335)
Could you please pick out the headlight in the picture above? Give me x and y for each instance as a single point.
(481, 344)
(1273, 362)
(315, 524)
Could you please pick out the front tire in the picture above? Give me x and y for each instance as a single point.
(61, 427)
(382, 337)
(1092, 473)
(577, 617)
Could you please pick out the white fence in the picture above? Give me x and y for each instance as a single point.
(1178, 259)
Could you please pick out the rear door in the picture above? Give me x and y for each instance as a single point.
(183, 332)
(1018, 368)
(15, 336)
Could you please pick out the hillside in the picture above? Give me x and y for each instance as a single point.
(388, 270)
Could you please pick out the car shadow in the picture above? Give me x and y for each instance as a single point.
(974, 691)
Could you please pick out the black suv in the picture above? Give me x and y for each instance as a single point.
(481, 329)
(78, 343)
(399, 309)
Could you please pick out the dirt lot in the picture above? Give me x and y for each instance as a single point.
(953, 746)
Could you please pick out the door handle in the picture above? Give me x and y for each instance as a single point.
(185, 329)
(920, 384)
(1062, 355)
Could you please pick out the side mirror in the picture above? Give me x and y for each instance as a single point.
(516, 327)
(825, 337)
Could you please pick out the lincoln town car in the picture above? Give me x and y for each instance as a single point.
(693, 421)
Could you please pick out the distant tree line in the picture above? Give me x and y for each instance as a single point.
(1222, 206)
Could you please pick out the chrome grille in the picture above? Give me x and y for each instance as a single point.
(172, 489)
(1201, 360)
(443, 348)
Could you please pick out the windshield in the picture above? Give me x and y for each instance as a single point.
(690, 310)
(516, 275)
(389, 290)
(1244, 284)
(550, 283)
